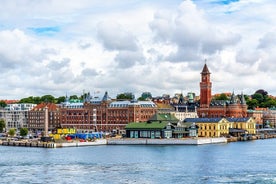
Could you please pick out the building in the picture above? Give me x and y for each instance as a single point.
(150, 129)
(37, 117)
(269, 117)
(248, 125)
(16, 115)
(258, 114)
(112, 116)
(235, 107)
(161, 126)
(184, 107)
(218, 127)
(210, 127)
(73, 114)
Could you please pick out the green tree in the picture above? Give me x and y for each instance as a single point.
(36, 100)
(3, 104)
(252, 104)
(23, 132)
(12, 132)
(29, 99)
(269, 103)
(146, 95)
(60, 99)
(125, 96)
(259, 97)
(2, 125)
(222, 96)
(48, 98)
(74, 97)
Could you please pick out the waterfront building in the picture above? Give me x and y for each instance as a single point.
(210, 127)
(217, 127)
(16, 115)
(247, 125)
(270, 117)
(258, 114)
(37, 118)
(161, 125)
(151, 129)
(74, 115)
(112, 116)
(235, 107)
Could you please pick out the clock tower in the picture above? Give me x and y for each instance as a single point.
(205, 88)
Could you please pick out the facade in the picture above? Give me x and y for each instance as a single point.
(151, 130)
(235, 107)
(16, 115)
(108, 115)
(185, 107)
(269, 117)
(37, 117)
(210, 127)
(161, 126)
(218, 127)
(258, 114)
(247, 124)
(74, 115)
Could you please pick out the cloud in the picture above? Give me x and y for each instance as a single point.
(267, 41)
(89, 72)
(135, 46)
(58, 65)
(128, 59)
(114, 37)
(191, 32)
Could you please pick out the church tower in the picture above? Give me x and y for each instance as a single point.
(205, 88)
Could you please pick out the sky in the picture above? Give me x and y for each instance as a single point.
(61, 47)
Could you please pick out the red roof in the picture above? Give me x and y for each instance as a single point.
(41, 106)
(10, 101)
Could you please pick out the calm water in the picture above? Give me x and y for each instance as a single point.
(241, 162)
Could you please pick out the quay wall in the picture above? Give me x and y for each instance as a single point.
(126, 141)
(196, 141)
(79, 144)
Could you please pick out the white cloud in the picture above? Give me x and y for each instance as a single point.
(135, 46)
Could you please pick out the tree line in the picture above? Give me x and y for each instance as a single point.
(260, 98)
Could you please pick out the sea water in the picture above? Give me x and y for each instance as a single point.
(238, 162)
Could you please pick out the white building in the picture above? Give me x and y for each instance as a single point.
(16, 115)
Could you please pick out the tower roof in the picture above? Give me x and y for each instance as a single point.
(205, 70)
(243, 99)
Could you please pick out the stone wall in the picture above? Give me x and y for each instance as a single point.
(196, 141)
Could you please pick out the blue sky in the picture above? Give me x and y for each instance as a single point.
(67, 46)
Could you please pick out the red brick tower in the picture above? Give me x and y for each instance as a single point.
(205, 88)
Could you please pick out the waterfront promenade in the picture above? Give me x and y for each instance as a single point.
(116, 141)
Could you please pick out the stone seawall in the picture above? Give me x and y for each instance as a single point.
(127, 141)
(79, 144)
(196, 141)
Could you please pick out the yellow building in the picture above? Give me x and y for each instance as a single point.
(218, 127)
(247, 124)
(211, 127)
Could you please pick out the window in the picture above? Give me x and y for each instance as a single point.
(157, 134)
